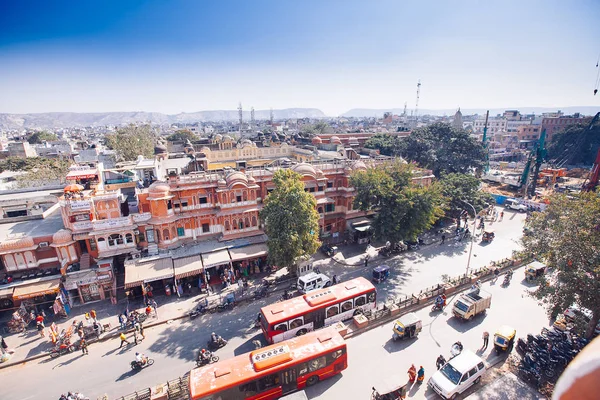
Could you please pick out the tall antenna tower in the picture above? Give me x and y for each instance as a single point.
(404, 113)
(252, 118)
(271, 116)
(417, 103)
(240, 116)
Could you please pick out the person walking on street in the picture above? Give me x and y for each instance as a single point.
(123, 339)
(122, 321)
(443, 239)
(366, 261)
(501, 215)
(135, 333)
(486, 338)
(84, 346)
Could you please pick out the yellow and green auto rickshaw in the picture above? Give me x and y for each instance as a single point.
(534, 270)
(504, 339)
(407, 326)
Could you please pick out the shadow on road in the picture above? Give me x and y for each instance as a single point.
(392, 346)
(248, 345)
(464, 326)
(322, 387)
(64, 363)
(126, 375)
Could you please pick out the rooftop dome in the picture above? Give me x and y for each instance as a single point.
(63, 236)
(320, 173)
(159, 189)
(335, 140)
(305, 169)
(160, 149)
(17, 244)
(359, 165)
(218, 137)
(317, 140)
(204, 149)
(236, 177)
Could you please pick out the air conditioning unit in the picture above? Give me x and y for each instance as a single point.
(136, 231)
(43, 244)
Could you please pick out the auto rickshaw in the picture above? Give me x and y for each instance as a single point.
(381, 273)
(389, 390)
(488, 236)
(534, 270)
(407, 326)
(504, 339)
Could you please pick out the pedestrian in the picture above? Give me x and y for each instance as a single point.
(443, 239)
(486, 338)
(122, 321)
(154, 306)
(84, 347)
(123, 339)
(179, 289)
(3, 346)
(135, 336)
(93, 315)
(142, 331)
(366, 261)
(501, 215)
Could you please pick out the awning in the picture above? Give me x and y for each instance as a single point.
(36, 289)
(363, 228)
(248, 252)
(150, 271)
(82, 174)
(215, 258)
(188, 266)
(6, 292)
(325, 200)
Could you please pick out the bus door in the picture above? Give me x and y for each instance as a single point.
(319, 316)
(289, 380)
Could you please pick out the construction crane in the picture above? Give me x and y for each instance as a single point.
(592, 182)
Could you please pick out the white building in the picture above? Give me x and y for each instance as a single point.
(513, 126)
(495, 125)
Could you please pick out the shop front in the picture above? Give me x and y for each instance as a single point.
(153, 275)
(249, 259)
(189, 272)
(36, 293)
(90, 285)
(215, 264)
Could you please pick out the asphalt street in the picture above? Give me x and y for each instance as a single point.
(174, 346)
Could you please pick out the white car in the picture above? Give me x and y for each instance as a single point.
(513, 204)
(457, 375)
(575, 312)
(312, 281)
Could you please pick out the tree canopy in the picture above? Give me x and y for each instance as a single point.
(404, 209)
(575, 145)
(42, 136)
(131, 141)
(567, 237)
(182, 135)
(387, 144)
(319, 128)
(458, 188)
(291, 220)
(443, 149)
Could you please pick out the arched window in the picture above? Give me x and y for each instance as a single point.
(115, 239)
(247, 222)
(227, 225)
(129, 238)
(245, 195)
(235, 224)
(166, 235)
(254, 221)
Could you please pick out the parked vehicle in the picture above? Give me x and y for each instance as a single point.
(328, 250)
(488, 236)
(471, 303)
(534, 270)
(407, 326)
(381, 273)
(457, 375)
(312, 281)
(513, 204)
(504, 339)
(62, 348)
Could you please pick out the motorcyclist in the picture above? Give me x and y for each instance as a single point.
(459, 346)
(140, 359)
(444, 300)
(440, 361)
(439, 301)
(204, 355)
(216, 339)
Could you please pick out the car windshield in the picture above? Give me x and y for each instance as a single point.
(461, 306)
(451, 373)
(500, 340)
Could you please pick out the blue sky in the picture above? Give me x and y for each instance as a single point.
(184, 56)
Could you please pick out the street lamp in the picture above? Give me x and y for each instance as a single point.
(472, 235)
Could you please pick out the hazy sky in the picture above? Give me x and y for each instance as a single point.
(183, 56)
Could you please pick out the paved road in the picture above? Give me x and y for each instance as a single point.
(374, 357)
(174, 346)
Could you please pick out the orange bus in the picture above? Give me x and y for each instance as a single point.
(272, 371)
(316, 309)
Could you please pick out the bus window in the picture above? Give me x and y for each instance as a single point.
(372, 297)
(297, 323)
(302, 369)
(267, 382)
(249, 389)
(331, 311)
(347, 305)
(281, 327)
(316, 364)
(360, 301)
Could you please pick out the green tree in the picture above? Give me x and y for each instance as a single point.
(459, 187)
(317, 129)
(42, 136)
(575, 145)
(567, 237)
(131, 141)
(404, 209)
(443, 149)
(387, 144)
(291, 220)
(182, 135)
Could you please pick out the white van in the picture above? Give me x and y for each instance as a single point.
(513, 204)
(457, 375)
(312, 281)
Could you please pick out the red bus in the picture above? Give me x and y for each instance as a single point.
(272, 371)
(316, 309)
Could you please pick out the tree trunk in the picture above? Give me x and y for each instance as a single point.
(592, 325)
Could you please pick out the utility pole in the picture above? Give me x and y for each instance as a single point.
(252, 118)
(417, 102)
(240, 116)
(271, 116)
(486, 167)
(404, 113)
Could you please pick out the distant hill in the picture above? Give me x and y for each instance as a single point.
(371, 112)
(68, 119)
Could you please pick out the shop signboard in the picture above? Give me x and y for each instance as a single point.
(80, 205)
(111, 223)
(141, 217)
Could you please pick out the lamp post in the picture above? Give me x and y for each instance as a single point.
(472, 235)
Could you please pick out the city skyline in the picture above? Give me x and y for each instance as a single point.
(191, 56)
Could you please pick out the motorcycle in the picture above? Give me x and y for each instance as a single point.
(200, 362)
(62, 348)
(197, 311)
(225, 306)
(437, 307)
(216, 345)
(260, 293)
(506, 281)
(136, 365)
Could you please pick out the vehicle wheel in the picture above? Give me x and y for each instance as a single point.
(71, 349)
(133, 367)
(312, 380)
(150, 362)
(301, 332)
(214, 359)
(328, 284)
(549, 373)
(454, 396)
(477, 380)
(54, 354)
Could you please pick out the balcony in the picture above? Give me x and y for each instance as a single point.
(238, 204)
